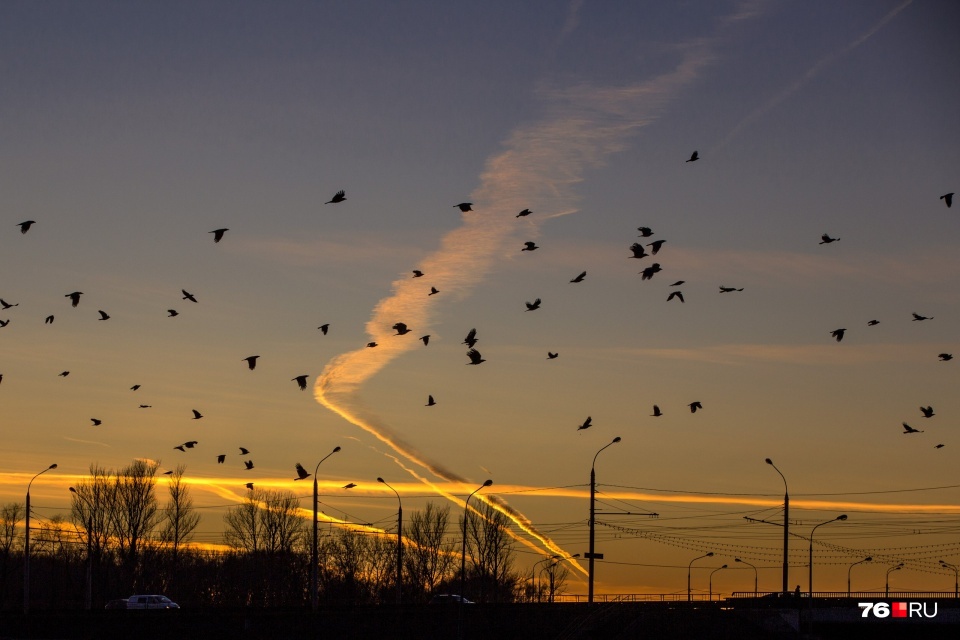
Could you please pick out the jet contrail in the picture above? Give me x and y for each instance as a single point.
(540, 165)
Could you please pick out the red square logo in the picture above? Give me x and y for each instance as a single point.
(899, 609)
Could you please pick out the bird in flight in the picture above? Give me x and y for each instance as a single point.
(645, 232)
(586, 424)
(938, 446)
(694, 406)
(656, 244)
(945, 356)
(425, 339)
(4, 323)
(146, 406)
(475, 357)
(249, 485)
(187, 295)
(430, 401)
(350, 485)
(96, 422)
(301, 472)
(371, 345)
(838, 334)
(464, 206)
(947, 197)
(638, 250)
(580, 277)
(190, 444)
(826, 239)
(523, 213)
(656, 411)
(339, 196)
(552, 356)
(678, 283)
(650, 271)
(103, 315)
(221, 458)
(244, 451)
(927, 412)
(63, 374)
(251, 362)
(48, 320)
(401, 329)
(74, 297)
(218, 234)
(172, 313)
(873, 323)
(301, 381)
(134, 387)
(694, 157)
(26, 224)
(7, 305)
(533, 306)
(908, 429)
(180, 447)
(917, 317)
(417, 273)
(248, 464)
(433, 291)
(471, 338)
(675, 294)
(324, 328)
(529, 246)
(196, 414)
(724, 289)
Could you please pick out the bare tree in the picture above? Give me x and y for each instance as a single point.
(179, 519)
(10, 516)
(429, 558)
(491, 554)
(133, 508)
(265, 521)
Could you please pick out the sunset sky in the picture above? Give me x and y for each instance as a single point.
(132, 130)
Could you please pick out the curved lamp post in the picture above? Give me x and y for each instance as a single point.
(690, 566)
(786, 528)
(399, 540)
(839, 518)
(711, 580)
(947, 565)
(463, 552)
(867, 559)
(593, 492)
(754, 574)
(88, 599)
(887, 584)
(314, 559)
(26, 545)
(536, 576)
(550, 571)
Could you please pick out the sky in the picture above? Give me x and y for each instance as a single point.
(130, 131)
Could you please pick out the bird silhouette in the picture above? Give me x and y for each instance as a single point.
(694, 157)
(221, 458)
(947, 197)
(927, 412)
(918, 317)
(244, 451)
(675, 294)
(649, 272)
(172, 313)
(694, 406)
(251, 362)
(645, 232)
(180, 447)
(96, 422)
(187, 295)
(324, 328)
(580, 277)
(248, 464)
(134, 387)
(873, 323)
(908, 429)
(938, 446)
(529, 246)
(350, 485)
(63, 374)
(430, 401)
(249, 485)
(371, 345)
(103, 315)
(218, 234)
(196, 414)
(74, 297)
(838, 334)
(724, 289)
(7, 305)
(464, 206)
(4, 323)
(475, 357)
(638, 250)
(425, 339)
(301, 381)
(168, 473)
(301, 472)
(471, 338)
(586, 424)
(533, 306)
(339, 196)
(826, 239)
(401, 329)
(433, 291)
(48, 320)
(523, 213)
(944, 357)
(145, 406)
(656, 411)
(552, 356)
(417, 273)
(678, 283)
(656, 244)
(190, 444)
(26, 224)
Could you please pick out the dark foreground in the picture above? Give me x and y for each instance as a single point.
(606, 621)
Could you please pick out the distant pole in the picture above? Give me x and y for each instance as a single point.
(463, 557)
(840, 518)
(314, 555)
(26, 546)
(947, 565)
(754, 574)
(886, 591)
(399, 541)
(867, 559)
(88, 600)
(711, 580)
(690, 566)
(786, 529)
(536, 576)
(593, 492)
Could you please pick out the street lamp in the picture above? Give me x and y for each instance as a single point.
(786, 528)
(463, 552)
(887, 586)
(947, 565)
(550, 569)
(690, 566)
(754, 574)
(840, 518)
(314, 559)
(26, 546)
(399, 540)
(711, 580)
(593, 491)
(867, 559)
(536, 576)
(88, 600)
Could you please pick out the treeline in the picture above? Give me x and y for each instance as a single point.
(118, 540)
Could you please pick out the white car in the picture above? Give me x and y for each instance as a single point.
(151, 602)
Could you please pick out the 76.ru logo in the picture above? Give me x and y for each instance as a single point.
(897, 610)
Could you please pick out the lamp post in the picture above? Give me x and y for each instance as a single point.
(786, 529)
(711, 580)
(463, 551)
(754, 574)
(314, 558)
(690, 566)
(839, 518)
(26, 545)
(536, 576)
(947, 565)
(886, 591)
(88, 599)
(550, 569)
(591, 555)
(867, 559)
(399, 540)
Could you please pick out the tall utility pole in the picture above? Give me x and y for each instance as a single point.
(314, 555)
(26, 545)
(786, 529)
(591, 555)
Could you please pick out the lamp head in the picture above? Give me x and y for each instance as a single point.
(737, 560)
(487, 483)
(768, 461)
(379, 479)
(710, 554)
(335, 449)
(842, 517)
(53, 466)
(724, 567)
(868, 559)
(617, 439)
(73, 490)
